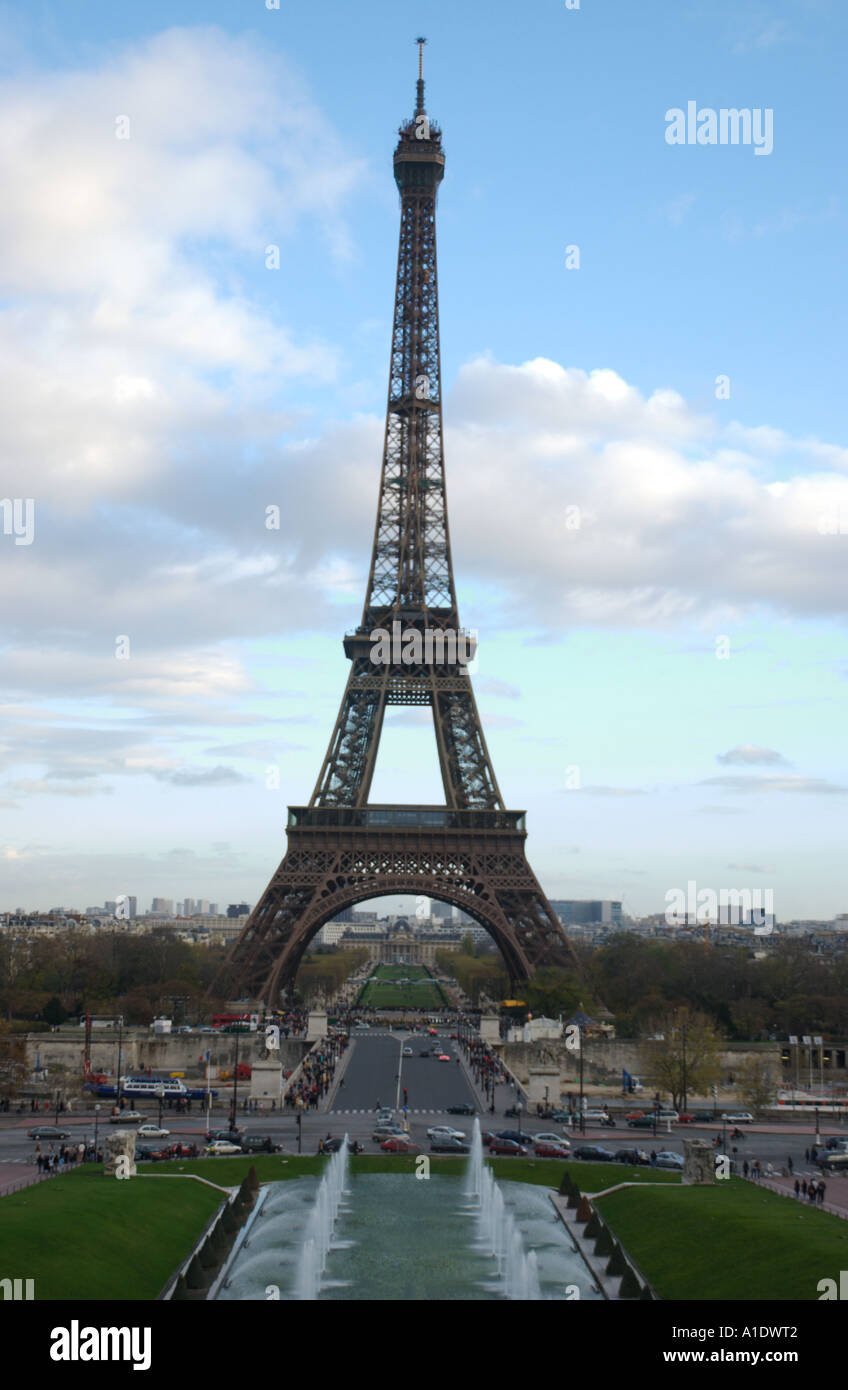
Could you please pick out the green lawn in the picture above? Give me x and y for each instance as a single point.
(83, 1236)
(734, 1240)
(382, 990)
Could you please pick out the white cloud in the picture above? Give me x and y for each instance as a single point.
(748, 754)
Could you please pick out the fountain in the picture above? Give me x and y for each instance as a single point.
(499, 1234)
(318, 1236)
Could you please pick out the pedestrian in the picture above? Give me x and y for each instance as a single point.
(806, 1155)
(745, 1169)
(820, 1191)
(811, 1191)
(804, 1187)
(797, 1188)
(40, 1162)
(813, 1154)
(789, 1165)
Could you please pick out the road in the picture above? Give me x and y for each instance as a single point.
(377, 1074)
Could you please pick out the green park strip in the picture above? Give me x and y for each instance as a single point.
(82, 1236)
(384, 990)
(731, 1241)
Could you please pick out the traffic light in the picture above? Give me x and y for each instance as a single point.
(405, 1095)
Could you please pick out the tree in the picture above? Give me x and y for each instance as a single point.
(54, 1012)
(681, 1054)
(756, 1083)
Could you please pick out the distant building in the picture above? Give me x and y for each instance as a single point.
(238, 910)
(580, 912)
(162, 907)
(439, 909)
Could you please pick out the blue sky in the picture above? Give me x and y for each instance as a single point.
(164, 387)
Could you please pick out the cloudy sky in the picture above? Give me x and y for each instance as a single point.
(647, 455)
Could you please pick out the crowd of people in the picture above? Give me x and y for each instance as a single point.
(315, 1074)
(56, 1160)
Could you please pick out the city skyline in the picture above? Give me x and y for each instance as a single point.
(669, 577)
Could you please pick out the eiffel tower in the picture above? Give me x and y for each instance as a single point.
(342, 849)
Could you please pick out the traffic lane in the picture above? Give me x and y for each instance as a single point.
(370, 1075)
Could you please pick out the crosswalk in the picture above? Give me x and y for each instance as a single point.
(371, 1112)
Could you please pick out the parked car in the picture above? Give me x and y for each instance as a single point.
(559, 1117)
(635, 1115)
(487, 1136)
(668, 1114)
(438, 1131)
(460, 1110)
(258, 1143)
(507, 1148)
(687, 1118)
(399, 1146)
(149, 1131)
(516, 1135)
(635, 1157)
(447, 1144)
(126, 1117)
(667, 1158)
(644, 1122)
(550, 1138)
(547, 1150)
(595, 1117)
(222, 1146)
(593, 1153)
(705, 1115)
(144, 1154)
(230, 1135)
(738, 1117)
(48, 1132)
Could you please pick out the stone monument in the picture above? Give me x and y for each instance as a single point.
(698, 1162)
(120, 1154)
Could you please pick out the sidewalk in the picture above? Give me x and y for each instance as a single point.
(836, 1189)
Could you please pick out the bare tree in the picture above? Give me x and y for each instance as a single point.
(681, 1054)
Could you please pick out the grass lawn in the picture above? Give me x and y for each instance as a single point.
(101, 1238)
(733, 1241)
(382, 989)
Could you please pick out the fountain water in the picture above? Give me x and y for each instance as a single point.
(499, 1233)
(318, 1236)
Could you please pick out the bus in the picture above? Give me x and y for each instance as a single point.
(235, 1023)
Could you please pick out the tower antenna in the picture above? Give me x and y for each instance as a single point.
(419, 102)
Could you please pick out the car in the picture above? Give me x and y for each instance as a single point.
(836, 1141)
(550, 1138)
(513, 1112)
(181, 1150)
(635, 1115)
(230, 1135)
(258, 1143)
(382, 1132)
(436, 1131)
(596, 1117)
(160, 1151)
(126, 1117)
(667, 1158)
(144, 1154)
(399, 1146)
(687, 1118)
(834, 1162)
(668, 1114)
(424, 1053)
(559, 1117)
(222, 1146)
(443, 1057)
(449, 1144)
(593, 1153)
(432, 1032)
(546, 1150)
(48, 1132)
(486, 1138)
(149, 1131)
(385, 1115)
(509, 1148)
(461, 1110)
(738, 1117)
(516, 1135)
(407, 1052)
(705, 1115)
(644, 1122)
(635, 1157)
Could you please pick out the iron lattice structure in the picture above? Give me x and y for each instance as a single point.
(341, 849)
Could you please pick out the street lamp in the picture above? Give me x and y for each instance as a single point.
(96, 1119)
(56, 1120)
(518, 1108)
(160, 1096)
